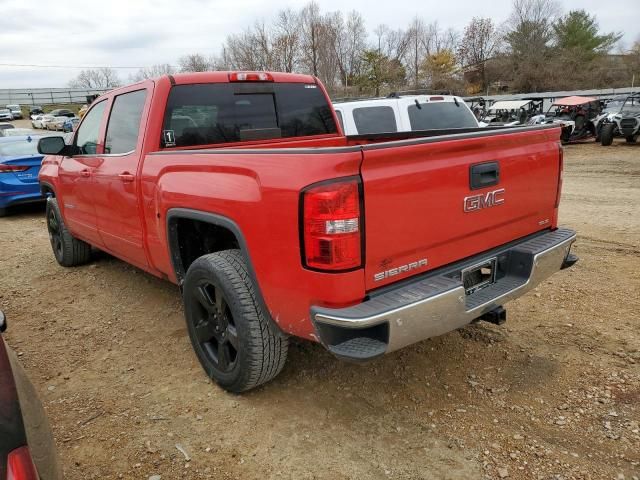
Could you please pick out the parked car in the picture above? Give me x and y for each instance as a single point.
(36, 120)
(625, 123)
(5, 115)
(575, 115)
(16, 111)
(19, 166)
(404, 114)
(57, 123)
(42, 123)
(27, 447)
(512, 112)
(62, 112)
(35, 110)
(70, 124)
(274, 223)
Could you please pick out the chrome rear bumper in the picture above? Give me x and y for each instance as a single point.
(438, 302)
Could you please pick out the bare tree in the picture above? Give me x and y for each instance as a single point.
(529, 36)
(287, 40)
(195, 62)
(480, 42)
(152, 72)
(99, 79)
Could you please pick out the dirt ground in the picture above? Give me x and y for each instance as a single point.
(554, 393)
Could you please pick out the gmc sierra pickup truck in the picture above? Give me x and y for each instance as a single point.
(241, 188)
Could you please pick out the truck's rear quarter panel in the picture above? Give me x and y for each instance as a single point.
(259, 191)
(414, 198)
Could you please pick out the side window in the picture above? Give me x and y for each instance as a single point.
(124, 122)
(375, 120)
(87, 137)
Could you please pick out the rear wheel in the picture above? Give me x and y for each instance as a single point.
(630, 139)
(68, 250)
(606, 135)
(236, 344)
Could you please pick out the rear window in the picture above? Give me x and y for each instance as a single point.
(433, 116)
(206, 114)
(375, 120)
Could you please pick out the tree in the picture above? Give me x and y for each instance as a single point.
(380, 71)
(578, 33)
(195, 62)
(439, 69)
(96, 79)
(529, 36)
(480, 42)
(152, 72)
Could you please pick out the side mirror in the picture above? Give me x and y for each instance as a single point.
(3, 322)
(51, 146)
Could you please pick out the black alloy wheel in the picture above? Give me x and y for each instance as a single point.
(214, 326)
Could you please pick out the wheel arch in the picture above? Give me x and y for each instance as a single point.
(178, 252)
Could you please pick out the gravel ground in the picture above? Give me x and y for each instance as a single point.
(554, 393)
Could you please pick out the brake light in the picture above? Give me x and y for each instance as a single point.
(331, 226)
(560, 172)
(250, 77)
(12, 168)
(436, 99)
(20, 465)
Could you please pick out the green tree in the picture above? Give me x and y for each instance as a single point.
(379, 71)
(578, 32)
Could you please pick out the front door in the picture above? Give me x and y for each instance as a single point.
(75, 176)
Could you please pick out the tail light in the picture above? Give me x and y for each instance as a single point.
(560, 172)
(436, 99)
(12, 168)
(250, 77)
(331, 226)
(20, 466)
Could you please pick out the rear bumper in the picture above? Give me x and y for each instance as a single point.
(437, 303)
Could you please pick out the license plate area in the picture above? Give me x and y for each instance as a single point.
(479, 276)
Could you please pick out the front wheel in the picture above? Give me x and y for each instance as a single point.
(236, 344)
(606, 135)
(68, 250)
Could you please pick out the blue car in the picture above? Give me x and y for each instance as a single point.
(19, 167)
(70, 125)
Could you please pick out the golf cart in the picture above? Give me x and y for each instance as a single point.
(624, 123)
(575, 115)
(513, 112)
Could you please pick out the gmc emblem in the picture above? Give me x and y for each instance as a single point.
(483, 200)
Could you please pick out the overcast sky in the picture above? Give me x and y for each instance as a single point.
(121, 33)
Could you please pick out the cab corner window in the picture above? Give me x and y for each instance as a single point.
(375, 120)
(89, 131)
(124, 122)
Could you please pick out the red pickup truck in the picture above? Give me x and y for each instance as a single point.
(241, 188)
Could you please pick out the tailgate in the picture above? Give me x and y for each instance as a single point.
(421, 211)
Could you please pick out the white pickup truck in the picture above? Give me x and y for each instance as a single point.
(404, 114)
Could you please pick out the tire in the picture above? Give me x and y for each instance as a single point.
(68, 250)
(3, 212)
(630, 139)
(238, 347)
(606, 135)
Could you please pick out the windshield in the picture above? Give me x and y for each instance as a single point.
(433, 116)
(17, 149)
(613, 106)
(632, 105)
(202, 114)
(4, 110)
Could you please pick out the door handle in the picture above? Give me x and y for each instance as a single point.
(484, 175)
(85, 173)
(127, 177)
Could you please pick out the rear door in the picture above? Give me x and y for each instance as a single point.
(116, 186)
(430, 202)
(75, 176)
